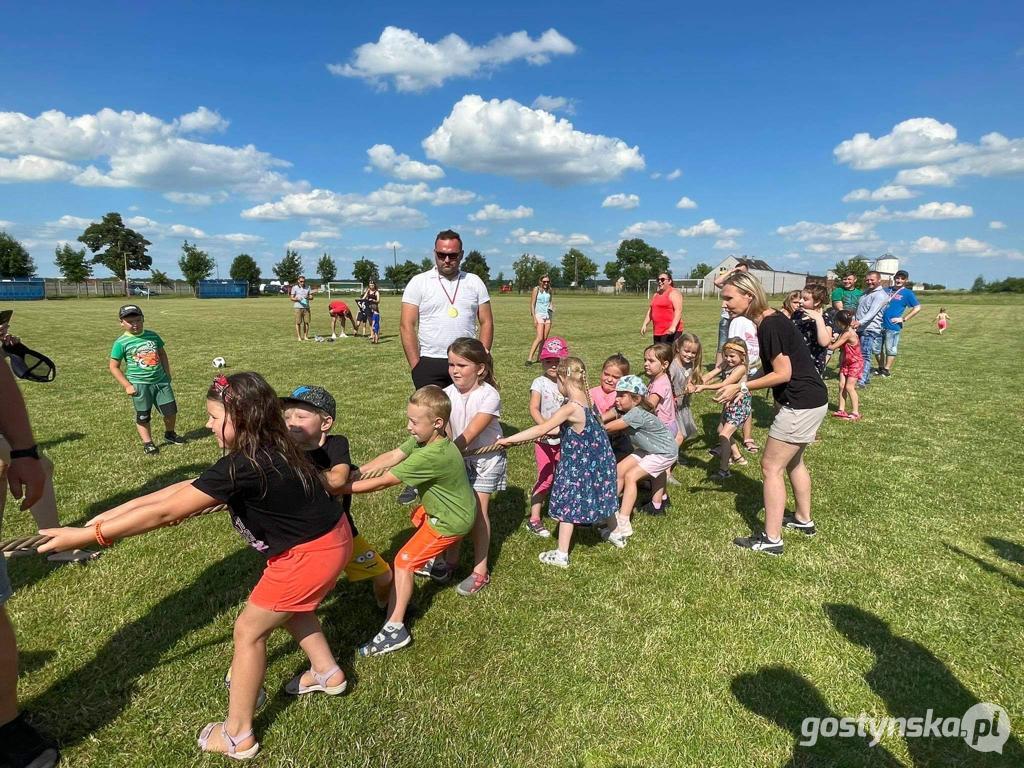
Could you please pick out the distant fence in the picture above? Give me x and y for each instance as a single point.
(222, 289)
(22, 289)
(60, 289)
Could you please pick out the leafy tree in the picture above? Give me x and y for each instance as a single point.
(476, 264)
(162, 279)
(14, 259)
(555, 274)
(427, 264)
(1009, 285)
(73, 265)
(979, 285)
(700, 271)
(289, 268)
(577, 267)
(612, 270)
(326, 268)
(501, 278)
(244, 267)
(122, 246)
(528, 269)
(858, 266)
(364, 271)
(195, 264)
(401, 274)
(638, 262)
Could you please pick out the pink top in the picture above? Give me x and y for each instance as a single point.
(662, 311)
(603, 401)
(661, 385)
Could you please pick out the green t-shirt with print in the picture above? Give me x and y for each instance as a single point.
(142, 357)
(849, 297)
(438, 472)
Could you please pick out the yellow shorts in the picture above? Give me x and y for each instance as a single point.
(366, 562)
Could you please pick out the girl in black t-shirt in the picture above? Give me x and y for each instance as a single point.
(278, 505)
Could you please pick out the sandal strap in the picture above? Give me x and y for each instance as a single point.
(323, 678)
(233, 741)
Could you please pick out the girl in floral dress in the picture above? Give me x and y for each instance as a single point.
(733, 370)
(584, 490)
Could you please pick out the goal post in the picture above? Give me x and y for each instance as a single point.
(344, 287)
(687, 286)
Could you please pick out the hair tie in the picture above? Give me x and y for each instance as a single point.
(222, 386)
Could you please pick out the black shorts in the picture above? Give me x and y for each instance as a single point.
(431, 370)
(666, 338)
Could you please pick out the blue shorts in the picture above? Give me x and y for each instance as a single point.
(891, 341)
(376, 322)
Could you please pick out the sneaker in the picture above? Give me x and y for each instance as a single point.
(174, 437)
(150, 449)
(441, 572)
(386, 641)
(839, 414)
(473, 584)
(342, 335)
(23, 745)
(885, 372)
(555, 557)
(407, 496)
(614, 538)
(424, 570)
(536, 527)
(808, 528)
(334, 335)
(759, 543)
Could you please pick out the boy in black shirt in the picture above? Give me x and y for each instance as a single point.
(309, 413)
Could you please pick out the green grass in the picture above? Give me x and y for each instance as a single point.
(679, 650)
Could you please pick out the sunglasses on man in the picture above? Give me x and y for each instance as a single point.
(448, 256)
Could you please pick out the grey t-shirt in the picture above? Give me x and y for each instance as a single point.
(648, 434)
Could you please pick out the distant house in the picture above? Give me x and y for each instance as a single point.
(773, 280)
(607, 286)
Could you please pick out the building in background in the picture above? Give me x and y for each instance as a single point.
(773, 280)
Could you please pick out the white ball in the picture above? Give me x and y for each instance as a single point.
(219, 362)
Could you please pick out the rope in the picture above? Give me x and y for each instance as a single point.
(31, 543)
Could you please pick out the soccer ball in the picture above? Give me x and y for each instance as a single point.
(219, 362)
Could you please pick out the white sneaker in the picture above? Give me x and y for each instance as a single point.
(343, 336)
(616, 539)
(334, 335)
(555, 557)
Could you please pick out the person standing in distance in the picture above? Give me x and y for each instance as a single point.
(440, 306)
(300, 296)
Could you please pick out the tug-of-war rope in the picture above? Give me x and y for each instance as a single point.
(29, 544)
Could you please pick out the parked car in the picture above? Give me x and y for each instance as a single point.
(138, 290)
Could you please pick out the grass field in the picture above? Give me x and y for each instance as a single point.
(678, 650)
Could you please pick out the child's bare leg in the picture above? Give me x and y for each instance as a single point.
(401, 594)
(726, 446)
(633, 475)
(309, 634)
(854, 397)
(144, 432)
(748, 432)
(842, 391)
(565, 531)
(382, 587)
(481, 533)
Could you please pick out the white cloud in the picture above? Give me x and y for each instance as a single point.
(137, 150)
(927, 211)
(239, 238)
(509, 139)
(685, 202)
(887, 192)
(646, 229)
(926, 176)
(930, 245)
(302, 245)
(185, 230)
(534, 237)
(996, 225)
(70, 222)
(480, 231)
(621, 200)
(726, 244)
(35, 168)
(555, 104)
(388, 246)
(970, 245)
(841, 231)
(321, 234)
(674, 175)
(384, 158)
(349, 210)
(196, 199)
(819, 248)
(709, 228)
(413, 64)
(393, 244)
(4, 224)
(492, 212)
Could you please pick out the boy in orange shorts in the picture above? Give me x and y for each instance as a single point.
(430, 462)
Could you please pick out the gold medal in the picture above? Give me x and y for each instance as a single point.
(452, 311)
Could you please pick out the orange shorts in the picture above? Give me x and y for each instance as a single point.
(425, 544)
(299, 579)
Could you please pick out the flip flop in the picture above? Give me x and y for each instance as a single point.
(750, 446)
(296, 688)
(231, 742)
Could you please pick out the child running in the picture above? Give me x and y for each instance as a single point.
(584, 488)
(851, 366)
(942, 320)
(657, 360)
(430, 462)
(474, 423)
(733, 370)
(654, 453)
(603, 398)
(545, 399)
(309, 413)
(684, 372)
(277, 504)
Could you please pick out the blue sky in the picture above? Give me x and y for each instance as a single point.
(800, 135)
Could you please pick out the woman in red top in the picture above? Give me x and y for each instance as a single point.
(665, 312)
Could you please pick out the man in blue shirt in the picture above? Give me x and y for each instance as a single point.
(901, 299)
(868, 323)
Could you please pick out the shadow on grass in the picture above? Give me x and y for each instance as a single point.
(30, 661)
(911, 680)
(199, 433)
(94, 695)
(1008, 550)
(986, 566)
(69, 437)
(786, 698)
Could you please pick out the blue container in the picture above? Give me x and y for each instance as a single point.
(222, 289)
(23, 289)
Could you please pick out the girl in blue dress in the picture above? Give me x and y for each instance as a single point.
(584, 491)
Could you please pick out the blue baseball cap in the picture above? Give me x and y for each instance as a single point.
(633, 384)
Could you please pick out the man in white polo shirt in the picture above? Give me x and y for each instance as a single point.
(440, 306)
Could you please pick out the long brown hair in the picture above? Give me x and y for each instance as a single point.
(260, 432)
(473, 350)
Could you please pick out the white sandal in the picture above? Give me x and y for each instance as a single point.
(231, 741)
(296, 688)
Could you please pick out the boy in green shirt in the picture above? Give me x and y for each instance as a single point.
(430, 462)
(146, 376)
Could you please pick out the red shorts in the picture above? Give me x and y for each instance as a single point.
(298, 580)
(425, 544)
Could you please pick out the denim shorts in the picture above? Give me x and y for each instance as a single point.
(891, 341)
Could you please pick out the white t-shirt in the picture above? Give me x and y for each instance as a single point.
(437, 328)
(550, 401)
(465, 407)
(744, 328)
(300, 297)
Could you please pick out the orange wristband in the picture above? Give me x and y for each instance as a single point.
(100, 538)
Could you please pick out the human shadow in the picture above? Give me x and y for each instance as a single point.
(199, 433)
(53, 442)
(1008, 550)
(788, 699)
(986, 566)
(97, 692)
(911, 680)
(31, 661)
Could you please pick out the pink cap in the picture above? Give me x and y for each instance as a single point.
(554, 348)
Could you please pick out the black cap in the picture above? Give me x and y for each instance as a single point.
(128, 310)
(317, 397)
(903, 273)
